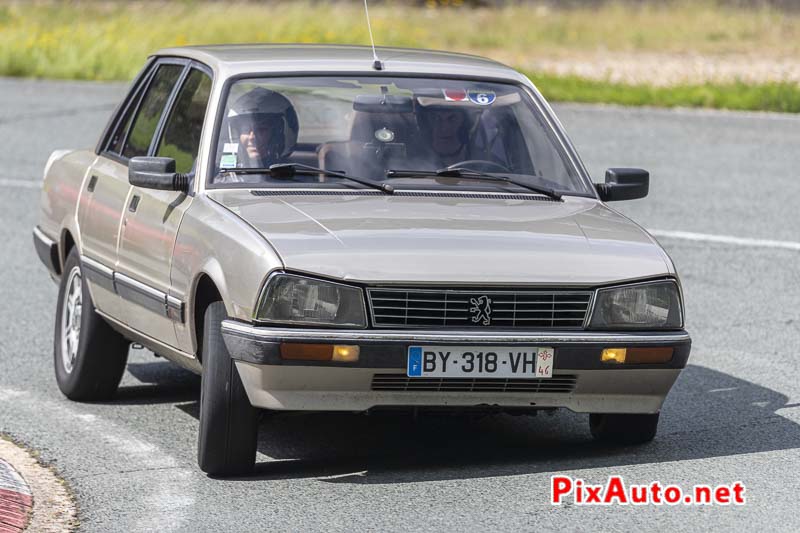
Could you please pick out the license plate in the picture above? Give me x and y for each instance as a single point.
(480, 362)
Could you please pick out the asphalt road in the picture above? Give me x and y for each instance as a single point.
(734, 414)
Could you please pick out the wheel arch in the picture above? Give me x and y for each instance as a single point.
(65, 246)
(206, 291)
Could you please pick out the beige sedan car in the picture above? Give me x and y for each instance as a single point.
(312, 230)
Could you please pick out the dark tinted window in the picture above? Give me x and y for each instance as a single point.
(144, 126)
(182, 133)
(123, 121)
(119, 135)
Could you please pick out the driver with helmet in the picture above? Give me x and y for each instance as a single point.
(262, 124)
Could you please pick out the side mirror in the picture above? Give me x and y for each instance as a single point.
(156, 173)
(624, 184)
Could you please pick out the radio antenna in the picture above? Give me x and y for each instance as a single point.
(376, 63)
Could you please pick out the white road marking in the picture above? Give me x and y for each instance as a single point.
(726, 239)
(22, 184)
(169, 497)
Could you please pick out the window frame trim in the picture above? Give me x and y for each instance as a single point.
(160, 62)
(142, 82)
(563, 146)
(158, 136)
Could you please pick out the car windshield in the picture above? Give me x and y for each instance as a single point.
(372, 127)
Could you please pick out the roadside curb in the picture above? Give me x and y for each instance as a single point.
(31, 496)
(16, 500)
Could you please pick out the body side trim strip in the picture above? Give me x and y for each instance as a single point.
(135, 291)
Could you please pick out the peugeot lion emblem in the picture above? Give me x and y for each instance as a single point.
(481, 310)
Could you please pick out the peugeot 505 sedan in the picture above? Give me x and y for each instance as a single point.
(310, 229)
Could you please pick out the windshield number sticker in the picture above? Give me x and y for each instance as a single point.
(228, 161)
(230, 148)
(481, 97)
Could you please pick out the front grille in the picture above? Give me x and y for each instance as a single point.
(558, 384)
(407, 308)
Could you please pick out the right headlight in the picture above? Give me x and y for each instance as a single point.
(654, 305)
(297, 300)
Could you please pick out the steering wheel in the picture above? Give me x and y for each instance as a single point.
(483, 165)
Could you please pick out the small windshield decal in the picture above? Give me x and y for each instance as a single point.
(481, 97)
(455, 95)
(228, 161)
(231, 148)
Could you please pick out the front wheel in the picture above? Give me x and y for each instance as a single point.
(228, 422)
(623, 428)
(89, 356)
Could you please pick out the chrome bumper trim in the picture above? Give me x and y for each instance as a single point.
(47, 250)
(578, 337)
(44, 239)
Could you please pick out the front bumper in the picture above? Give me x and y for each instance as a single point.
(47, 250)
(588, 384)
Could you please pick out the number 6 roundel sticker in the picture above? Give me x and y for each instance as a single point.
(481, 97)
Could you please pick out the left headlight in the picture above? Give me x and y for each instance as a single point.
(655, 305)
(291, 299)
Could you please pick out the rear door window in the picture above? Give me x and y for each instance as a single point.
(152, 106)
(181, 139)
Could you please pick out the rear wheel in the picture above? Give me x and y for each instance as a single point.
(228, 422)
(623, 428)
(89, 356)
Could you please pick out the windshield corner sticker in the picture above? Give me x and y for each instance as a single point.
(230, 148)
(454, 95)
(481, 97)
(228, 161)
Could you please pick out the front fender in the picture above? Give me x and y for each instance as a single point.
(214, 242)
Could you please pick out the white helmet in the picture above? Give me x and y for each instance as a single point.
(262, 108)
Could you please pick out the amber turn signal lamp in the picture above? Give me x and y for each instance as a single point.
(637, 355)
(613, 355)
(319, 352)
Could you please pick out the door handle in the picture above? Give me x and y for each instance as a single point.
(92, 184)
(134, 204)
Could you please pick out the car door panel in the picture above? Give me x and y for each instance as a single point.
(152, 218)
(99, 215)
(150, 226)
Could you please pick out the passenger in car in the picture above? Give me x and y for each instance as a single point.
(448, 129)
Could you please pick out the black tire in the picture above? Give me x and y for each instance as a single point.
(624, 428)
(228, 435)
(91, 367)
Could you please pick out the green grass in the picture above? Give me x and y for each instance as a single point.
(780, 97)
(106, 40)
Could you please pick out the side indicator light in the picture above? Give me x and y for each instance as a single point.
(613, 355)
(637, 355)
(319, 352)
(346, 354)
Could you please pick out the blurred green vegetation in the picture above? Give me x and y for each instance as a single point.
(105, 40)
(775, 96)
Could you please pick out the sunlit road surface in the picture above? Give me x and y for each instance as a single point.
(724, 204)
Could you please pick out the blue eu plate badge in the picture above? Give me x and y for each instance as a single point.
(414, 361)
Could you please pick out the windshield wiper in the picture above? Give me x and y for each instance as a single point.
(289, 170)
(467, 173)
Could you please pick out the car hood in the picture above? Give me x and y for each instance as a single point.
(446, 239)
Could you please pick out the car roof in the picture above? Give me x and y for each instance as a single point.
(237, 59)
